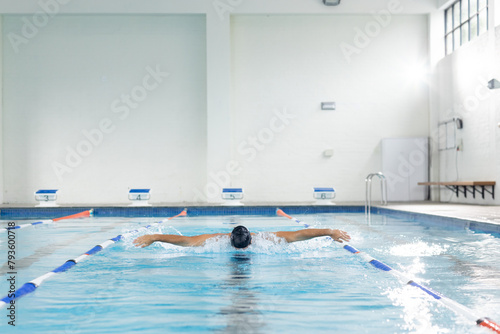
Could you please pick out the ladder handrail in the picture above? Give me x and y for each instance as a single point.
(368, 191)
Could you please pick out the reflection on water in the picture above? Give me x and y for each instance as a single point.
(242, 315)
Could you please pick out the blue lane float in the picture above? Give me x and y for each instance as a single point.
(449, 303)
(32, 285)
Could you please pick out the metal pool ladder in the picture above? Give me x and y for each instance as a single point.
(368, 197)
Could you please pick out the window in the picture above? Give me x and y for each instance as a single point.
(464, 20)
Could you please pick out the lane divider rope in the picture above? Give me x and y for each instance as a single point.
(87, 213)
(34, 284)
(451, 304)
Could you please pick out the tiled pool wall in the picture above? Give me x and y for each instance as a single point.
(151, 211)
(163, 212)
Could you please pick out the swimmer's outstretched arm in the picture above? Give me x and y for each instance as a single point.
(179, 240)
(310, 233)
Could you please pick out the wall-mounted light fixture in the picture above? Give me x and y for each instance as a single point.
(328, 153)
(331, 2)
(327, 105)
(493, 84)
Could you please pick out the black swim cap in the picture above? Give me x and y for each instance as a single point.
(240, 237)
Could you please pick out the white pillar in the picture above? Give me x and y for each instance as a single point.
(436, 53)
(218, 105)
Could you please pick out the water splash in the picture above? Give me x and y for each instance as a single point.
(262, 243)
(418, 248)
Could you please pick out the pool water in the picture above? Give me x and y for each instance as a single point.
(311, 286)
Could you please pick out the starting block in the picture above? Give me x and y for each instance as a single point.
(232, 196)
(46, 197)
(139, 197)
(324, 195)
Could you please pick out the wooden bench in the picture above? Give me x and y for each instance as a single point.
(465, 186)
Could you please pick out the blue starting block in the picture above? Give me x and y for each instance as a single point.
(323, 195)
(46, 197)
(139, 197)
(232, 196)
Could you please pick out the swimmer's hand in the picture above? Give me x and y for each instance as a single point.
(144, 240)
(340, 236)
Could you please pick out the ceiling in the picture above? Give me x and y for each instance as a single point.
(55, 7)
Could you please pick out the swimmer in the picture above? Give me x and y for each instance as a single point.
(240, 237)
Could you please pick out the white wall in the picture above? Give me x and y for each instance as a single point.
(185, 139)
(57, 88)
(496, 105)
(92, 74)
(213, 122)
(290, 64)
(461, 91)
(1, 113)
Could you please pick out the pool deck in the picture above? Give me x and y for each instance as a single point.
(481, 213)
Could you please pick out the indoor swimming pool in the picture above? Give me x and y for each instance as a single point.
(313, 286)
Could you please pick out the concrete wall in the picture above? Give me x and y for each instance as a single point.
(95, 104)
(1, 113)
(496, 104)
(285, 66)
(240, 105)
(84, 114)
(460, 90)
